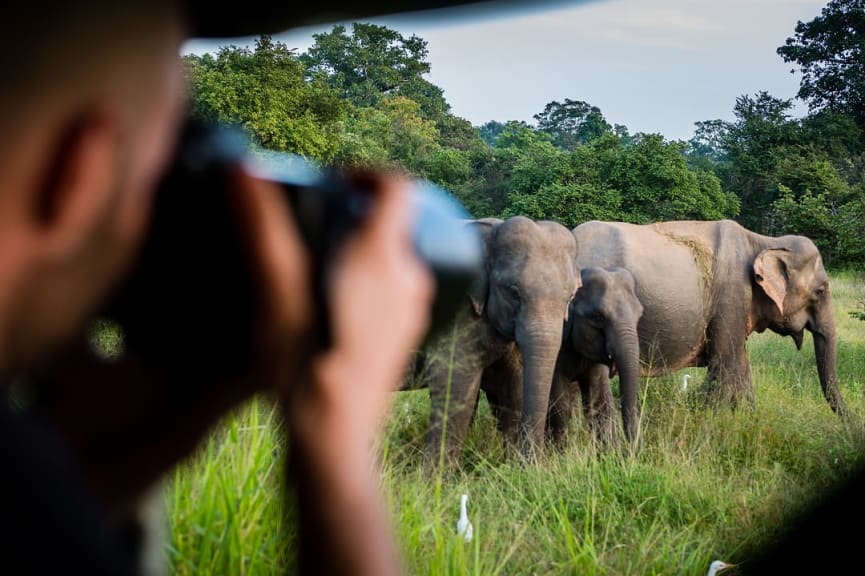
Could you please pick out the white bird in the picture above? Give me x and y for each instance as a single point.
(464, 527)
(717, 566)
(684, 382)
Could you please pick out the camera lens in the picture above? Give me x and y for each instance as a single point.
(191, 298)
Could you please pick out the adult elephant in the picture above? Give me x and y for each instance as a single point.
(705, 286)
(507, 339)
(600, 337)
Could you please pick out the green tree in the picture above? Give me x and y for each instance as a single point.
(430, 97)
(393, 133)
(842, 140)
(656, 184)
(625, 137)
(412, 138)
(372, 62)
(830, 52)
(264, 91)
(608, 179)
(572, 122)
(517, 135)
(490, 131)
(459, 133)
(567, 187)
(809, 215)
(488, 185)
(851, 239)
(363, 139)
(448, 166)
(762, 132)
(710, 139)
(495, 166)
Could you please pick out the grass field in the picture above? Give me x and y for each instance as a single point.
(707, 484)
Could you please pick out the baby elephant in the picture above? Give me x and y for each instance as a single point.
(600, 337)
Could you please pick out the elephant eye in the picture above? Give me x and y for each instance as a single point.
(514, 290)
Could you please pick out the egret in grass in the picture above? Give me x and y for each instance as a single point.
(685, 379)
(464, 527)
(718, 566)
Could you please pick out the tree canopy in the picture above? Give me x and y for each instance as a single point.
(371, 62)
(360, 96)
(830, 52)
(571, 123)
(264, 91)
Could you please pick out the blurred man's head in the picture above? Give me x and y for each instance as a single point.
(90, 106)
(91, 101)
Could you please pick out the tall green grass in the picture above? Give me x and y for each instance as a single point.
(706, 484)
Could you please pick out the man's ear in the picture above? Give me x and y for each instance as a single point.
(79, 181)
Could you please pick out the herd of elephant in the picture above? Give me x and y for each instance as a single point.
(556, 313)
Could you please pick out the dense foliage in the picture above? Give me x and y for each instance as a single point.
(359, 96)
(830, 49)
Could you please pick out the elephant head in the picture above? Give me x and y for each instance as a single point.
(793, 295)
(530, 279)
(603, 329)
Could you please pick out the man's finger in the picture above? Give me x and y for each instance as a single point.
(275, 246)
(391, 222)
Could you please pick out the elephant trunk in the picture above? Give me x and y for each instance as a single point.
(539, 343)
(625, 350)
(824, 351)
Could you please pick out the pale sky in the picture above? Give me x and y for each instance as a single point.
(652, 65)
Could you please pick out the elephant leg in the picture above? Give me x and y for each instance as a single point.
(729, 376)
(453, 399)
(496, 404)
(502, 382)
(475, 409)
(599, 409)
(452, 372)
(415, 377)
(561, 408)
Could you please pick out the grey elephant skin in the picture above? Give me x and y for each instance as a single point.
(705, 286)
(600, 336)
(507, 339)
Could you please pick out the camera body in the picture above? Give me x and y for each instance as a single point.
(189, 302)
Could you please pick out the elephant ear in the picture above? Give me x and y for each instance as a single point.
(578, 277)
(578, 283)
(771, 274)
(480, 288)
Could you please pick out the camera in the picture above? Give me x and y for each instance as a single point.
(189, 301)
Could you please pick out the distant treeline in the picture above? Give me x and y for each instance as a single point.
(359, 97)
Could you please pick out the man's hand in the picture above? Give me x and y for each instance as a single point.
(380, 297)
(127, 425)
